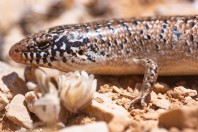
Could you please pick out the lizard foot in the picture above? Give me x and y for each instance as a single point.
(139, 99)
(150, 77)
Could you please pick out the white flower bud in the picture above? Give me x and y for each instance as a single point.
(76, 90)
(47, 108)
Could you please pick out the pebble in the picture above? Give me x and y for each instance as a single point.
(18, 113)
(159, 101)
(116, 116)
(91, 127)
(184, 117)
(181, 92)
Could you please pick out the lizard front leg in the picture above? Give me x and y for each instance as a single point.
(150, 77)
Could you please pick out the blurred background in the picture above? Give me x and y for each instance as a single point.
(23, 17)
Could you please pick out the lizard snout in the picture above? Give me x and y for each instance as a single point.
(15, 53)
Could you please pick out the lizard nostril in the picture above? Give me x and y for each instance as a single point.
(16, 50)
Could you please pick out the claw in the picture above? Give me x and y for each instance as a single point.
(140, 99)
(134, 101)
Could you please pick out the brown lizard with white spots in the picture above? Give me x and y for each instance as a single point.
(148, 45)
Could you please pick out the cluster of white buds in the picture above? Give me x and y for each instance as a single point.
(76, 90)
(47, 106)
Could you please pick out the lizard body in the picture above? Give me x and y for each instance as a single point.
(147, 45)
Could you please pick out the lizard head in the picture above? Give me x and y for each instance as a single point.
(31, 48)
(50, 47)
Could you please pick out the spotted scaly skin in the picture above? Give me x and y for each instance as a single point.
(149, 46)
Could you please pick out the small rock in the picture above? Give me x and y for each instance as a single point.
(5, 95)
(160, 88)
(185, 117)
(105, 88)
(151, 115)
(18, 113)
(117, 117)
(6, 69)
(181, 92)
(159, 101)
(3, 101)
(91, 127)
(15, 84)
(189, 101)
(8, 126)
(159, 130)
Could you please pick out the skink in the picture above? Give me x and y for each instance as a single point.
(165, 45)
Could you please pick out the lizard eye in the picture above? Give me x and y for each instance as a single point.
(43, 46)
